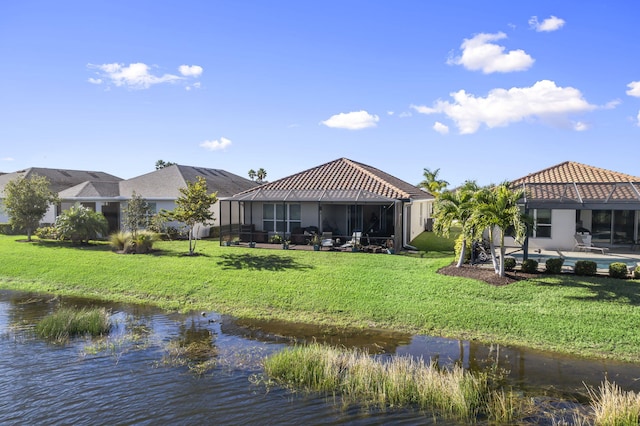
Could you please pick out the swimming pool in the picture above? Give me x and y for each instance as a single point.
(602, 262)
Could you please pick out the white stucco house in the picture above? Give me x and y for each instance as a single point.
(341, 197)
(571, 198)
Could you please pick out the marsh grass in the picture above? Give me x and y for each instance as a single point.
(199, 356)
(614, 407)
(391, 383)
(71, 322)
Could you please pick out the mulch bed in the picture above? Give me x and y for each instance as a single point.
(482, 273)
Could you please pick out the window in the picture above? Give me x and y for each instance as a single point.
(280, 217)
(542, 223)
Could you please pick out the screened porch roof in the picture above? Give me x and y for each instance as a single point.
(575, 185)
(358, 196)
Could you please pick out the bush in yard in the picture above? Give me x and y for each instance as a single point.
(126, 242)
(47, 233)
(554, 265)
(81, 224)
(618, 270)
(509, 263)
(529, 266)
(585, 268)
(636, 272)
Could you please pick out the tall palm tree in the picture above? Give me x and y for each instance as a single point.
(497, 208)
(431, 182)
(261, 174)
(455, 207)
(252, 174)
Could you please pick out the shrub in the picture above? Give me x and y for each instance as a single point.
(585, 267)
(7, 229)
(47, 233)
(276, 239)
(81, 224)
(618, 270)
(529, 266)
(554, 265)
(509, 263)
(636, 272)
(125, 242)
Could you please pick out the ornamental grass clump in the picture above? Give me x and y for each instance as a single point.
(70, 322)
(396, 382)
(613, 406)
(618, 270)
(140, 243)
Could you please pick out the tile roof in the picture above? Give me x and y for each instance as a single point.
(576, 182)
(342, 178)
(572, 172)
(91, 189)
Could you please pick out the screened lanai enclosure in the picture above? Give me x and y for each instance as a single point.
(298, 216)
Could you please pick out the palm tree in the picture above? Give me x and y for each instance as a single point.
(455, 207)
(252, 174)
(261, 174)
(497, 208)
(431, 182)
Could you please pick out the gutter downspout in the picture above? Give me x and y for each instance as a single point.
(405, 206)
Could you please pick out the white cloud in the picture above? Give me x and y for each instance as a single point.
(352, 120)
(140, 75)
(8, 159)
(612, 104)
(216, 145)
(390, 112)
(580, 126)
(634, 89)
(443, 129)
(478, 53)
(544, 101)
(134, 76)
(550, 24)
(190, 71)
(405, 114)
(638, 119)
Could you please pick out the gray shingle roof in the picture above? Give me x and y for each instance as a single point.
(60, 179)
(165, 183)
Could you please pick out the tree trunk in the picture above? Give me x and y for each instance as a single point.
(503, 250)
(462, 252)
(492, 250)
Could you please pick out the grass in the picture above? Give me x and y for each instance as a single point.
(71, 322)
(399, 382)
(455, 393)
(588, 316)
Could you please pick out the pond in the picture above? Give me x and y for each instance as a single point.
(135, 377)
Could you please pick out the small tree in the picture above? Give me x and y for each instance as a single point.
(135, 215)
(194, 207)
(27, 201)
(81, 224)
(252, 174)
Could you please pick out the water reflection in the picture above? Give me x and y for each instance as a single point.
(126, 380)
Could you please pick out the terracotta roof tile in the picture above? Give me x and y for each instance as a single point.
(345, 174)
(572, 172)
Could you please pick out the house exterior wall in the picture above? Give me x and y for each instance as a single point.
(420, 211)
(563, 229)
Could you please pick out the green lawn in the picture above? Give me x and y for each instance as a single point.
(596, 317)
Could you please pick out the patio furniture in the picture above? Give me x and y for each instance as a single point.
(354, 241)
(327, 240)
(582, 246)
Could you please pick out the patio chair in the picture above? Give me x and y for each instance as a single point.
(327, 240)
(354, 241)
(582, 246)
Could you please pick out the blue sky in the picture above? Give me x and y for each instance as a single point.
(484, 90)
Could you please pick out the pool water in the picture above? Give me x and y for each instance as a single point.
(602, 262)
